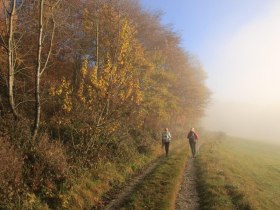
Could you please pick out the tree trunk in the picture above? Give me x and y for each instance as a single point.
(11, 65)
(97, 48)
(38, 73)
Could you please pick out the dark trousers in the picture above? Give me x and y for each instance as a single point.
(192, 145)
(166, 146)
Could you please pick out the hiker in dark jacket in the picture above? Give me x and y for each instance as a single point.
(193, 137)
(166, 138)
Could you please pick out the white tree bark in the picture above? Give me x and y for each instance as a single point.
(11, 64)
(40, 68)
(38, 72)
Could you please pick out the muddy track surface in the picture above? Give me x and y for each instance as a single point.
(120, 198)
(187, 198)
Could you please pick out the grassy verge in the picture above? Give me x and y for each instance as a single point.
(89, 191)
(159, 189)
(238, 174)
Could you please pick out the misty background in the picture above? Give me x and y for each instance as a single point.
(238, 44)
(245, 80)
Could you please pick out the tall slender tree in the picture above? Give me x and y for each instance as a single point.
(10, 12)
(40, 66)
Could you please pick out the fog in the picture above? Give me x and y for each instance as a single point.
(238, 43)
(244, 120)
(244, 75)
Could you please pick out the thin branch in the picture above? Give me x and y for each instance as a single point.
(25, 54)
(19, 7)
(50, 50)
(52, 38)
(18, 41)
(24, 102)
(23, 68)
(3, 44)
(100, 116)
(6, 13)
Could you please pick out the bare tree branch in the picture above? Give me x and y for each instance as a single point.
(50, 50)
(24, 102)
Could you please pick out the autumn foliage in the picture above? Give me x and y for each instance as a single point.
(114, 77)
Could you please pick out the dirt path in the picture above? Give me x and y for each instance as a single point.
(187, 198)
(128, 189)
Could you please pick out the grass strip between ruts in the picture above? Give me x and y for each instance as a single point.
(158, 190)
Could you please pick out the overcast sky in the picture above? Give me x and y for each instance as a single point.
(238, 43)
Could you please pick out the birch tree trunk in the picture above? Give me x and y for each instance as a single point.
(11, 65)
(97, 42)
(38, 73)
(39, 67)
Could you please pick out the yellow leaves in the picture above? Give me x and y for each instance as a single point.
(129, 92)
(93, 75)
(112, 127)
(138, 94)
(32, 199)
(52, 91)
(81, 92)
(102, 82)
(115, 81)
(64, 200)
(64, 90)
(87, 23)
(84, 68)
(127, 40)
(117, 78)
(67, 103)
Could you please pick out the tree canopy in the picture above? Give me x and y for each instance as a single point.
(102, 71)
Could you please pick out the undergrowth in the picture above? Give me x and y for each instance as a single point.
(91, 188)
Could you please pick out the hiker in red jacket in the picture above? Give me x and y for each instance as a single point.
(193, 138)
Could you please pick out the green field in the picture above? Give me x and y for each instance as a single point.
(238, 174)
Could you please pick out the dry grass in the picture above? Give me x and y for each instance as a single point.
(90, 189)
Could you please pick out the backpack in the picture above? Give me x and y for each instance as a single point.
(191, 136)
(165, 137)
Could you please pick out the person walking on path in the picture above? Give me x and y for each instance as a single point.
(166, 138)
(193, 137)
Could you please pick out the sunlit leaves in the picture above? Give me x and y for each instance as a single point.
(64, 92)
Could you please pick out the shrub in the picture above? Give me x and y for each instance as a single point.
(19, 131)
(47, 171)
(11, 165)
